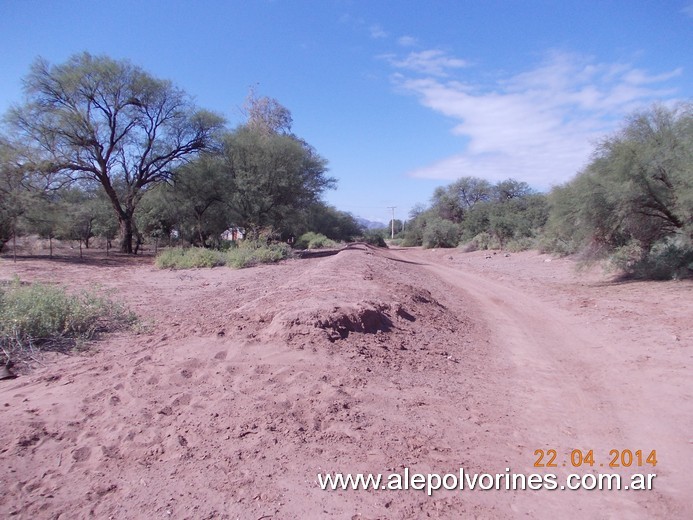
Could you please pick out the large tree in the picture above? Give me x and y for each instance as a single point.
(273, 178)
(452, 202)
(200, 194)
(96, 119)
(635, 198)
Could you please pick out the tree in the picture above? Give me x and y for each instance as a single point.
(420, 219)
(11, 206)
(266, 115)
(635, 198)
(510, 189)
(98, 119)
(440, 233)
(452, 202)
(273, 177)
(329, 221)
(17, 187)
(200, 193)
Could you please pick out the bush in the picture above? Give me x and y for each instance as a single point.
(482, 241)
(246, 254)
(515, 245)
(441, 233)
(411, 240)
(312, 240)
(251, 253)
(557, 245)
(374, 238)
(47, 317)
(189, 258)
(665, 261)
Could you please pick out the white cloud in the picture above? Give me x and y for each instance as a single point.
(377, 32)
(429, 62)
(538, 126)
(407, 41)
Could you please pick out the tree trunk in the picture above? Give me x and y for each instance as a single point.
(126, 233)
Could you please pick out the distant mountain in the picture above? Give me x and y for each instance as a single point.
(370, 224)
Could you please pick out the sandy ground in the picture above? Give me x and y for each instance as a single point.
(242, 386)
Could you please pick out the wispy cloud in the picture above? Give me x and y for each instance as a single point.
(540, 125)
(432, 62)
(407, 41)
(377, 32)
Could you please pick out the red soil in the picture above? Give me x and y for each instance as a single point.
(244, 385)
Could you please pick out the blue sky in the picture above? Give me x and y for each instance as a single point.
(399, 96)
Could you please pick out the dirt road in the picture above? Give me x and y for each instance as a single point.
(245, 385)
(581, 385)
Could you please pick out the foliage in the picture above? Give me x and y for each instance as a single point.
(248, 253)
(46, 316)
(329, 221)
(14, 194)
(635, 199)
(121, 151)
(441, 233)
(516, 218)
(197, 203)
(179, 258)
(418, 218)
(273, 177)
(312, 240)
(509, 211)
(455, 200)
(516, 245)
(266, 115)
(482, 241)
(374, 238)
(107, 121)
(665, 260)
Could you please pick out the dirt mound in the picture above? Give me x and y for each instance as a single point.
(372, 301)
(368, 317)
(336, 324)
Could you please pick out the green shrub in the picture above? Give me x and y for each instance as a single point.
(482, 241)
(665, 261)
(189, 258)
(411, 240)
(47, 317)
(441, 233)
(250, 253)
(374, 238)
(557, 245)
(312, 240)
(245, 254)
(515, 245)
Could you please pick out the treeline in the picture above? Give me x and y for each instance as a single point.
(632, 205)
(100, 148)
(479, 215)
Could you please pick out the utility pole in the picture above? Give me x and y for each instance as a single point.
(393, 220)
